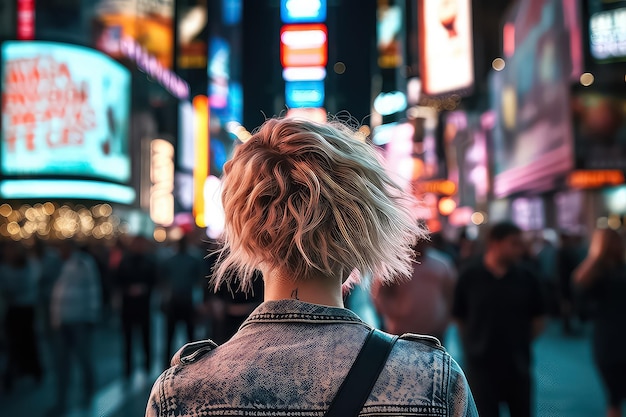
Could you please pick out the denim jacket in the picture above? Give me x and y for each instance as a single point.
(289, 358)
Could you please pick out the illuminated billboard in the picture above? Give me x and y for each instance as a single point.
(149, 22)
(65, 112)
(446, 52)
(532, 141)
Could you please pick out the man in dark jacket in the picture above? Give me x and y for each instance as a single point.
(499, 307)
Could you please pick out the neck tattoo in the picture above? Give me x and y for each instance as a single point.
(294, 294)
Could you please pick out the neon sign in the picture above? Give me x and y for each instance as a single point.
(304, 54)
(151, 65)
(162, 179)
(301, 11)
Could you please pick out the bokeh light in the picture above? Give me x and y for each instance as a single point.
(498, 64)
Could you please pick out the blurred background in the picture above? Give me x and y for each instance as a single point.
(118, 116)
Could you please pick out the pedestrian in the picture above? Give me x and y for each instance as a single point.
(18, 289)
(48, 265)
(234, 306)
(135, 281)
(499, 308)
(180, 275)
(569, 256)
(602, 278)
(75, 308)
(310, 206)
(422, 304)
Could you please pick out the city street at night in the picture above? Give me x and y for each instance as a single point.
(567, 383)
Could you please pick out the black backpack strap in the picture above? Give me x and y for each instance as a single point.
(361, 378)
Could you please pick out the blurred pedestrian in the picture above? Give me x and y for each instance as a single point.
(75, 308)
(499, 308)
(422, 304)
(135, 281)
(235, 305)
(545, 253)
(48, 264)
(18, 288)
(569, 256)
(602, 277)
(180, 275)
(308, 205)
(467, 248)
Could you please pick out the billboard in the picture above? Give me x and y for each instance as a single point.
(149, 22)
(532, 139)
(446, 51)
(65, 112)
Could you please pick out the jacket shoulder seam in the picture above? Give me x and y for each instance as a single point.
(191, 352)
(430, 341)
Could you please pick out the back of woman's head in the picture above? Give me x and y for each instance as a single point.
(310, 200)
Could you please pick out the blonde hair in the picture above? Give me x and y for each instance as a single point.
(308, 200)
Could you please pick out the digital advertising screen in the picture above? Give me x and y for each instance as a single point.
(532, 140)
(65, 113)
(446, 51)
(225, 90)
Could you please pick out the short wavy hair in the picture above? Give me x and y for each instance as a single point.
(312, 200)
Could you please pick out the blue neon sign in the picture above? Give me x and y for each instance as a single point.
(300, 94)
(303, 11)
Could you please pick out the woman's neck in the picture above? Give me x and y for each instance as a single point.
(316, 290)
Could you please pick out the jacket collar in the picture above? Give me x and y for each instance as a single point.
(295, 311)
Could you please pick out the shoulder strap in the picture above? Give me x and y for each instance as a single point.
(361, 378)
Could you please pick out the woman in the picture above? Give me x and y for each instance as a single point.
(602, 277)
(308, 205)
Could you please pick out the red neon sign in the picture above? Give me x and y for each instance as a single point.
(26, 20)
(303, 45)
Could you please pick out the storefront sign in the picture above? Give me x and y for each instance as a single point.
(148, 63)
(595, 178)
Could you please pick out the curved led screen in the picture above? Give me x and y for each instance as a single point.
(65, 112)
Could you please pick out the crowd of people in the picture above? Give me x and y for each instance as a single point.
(54, 295)
(499, 294)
